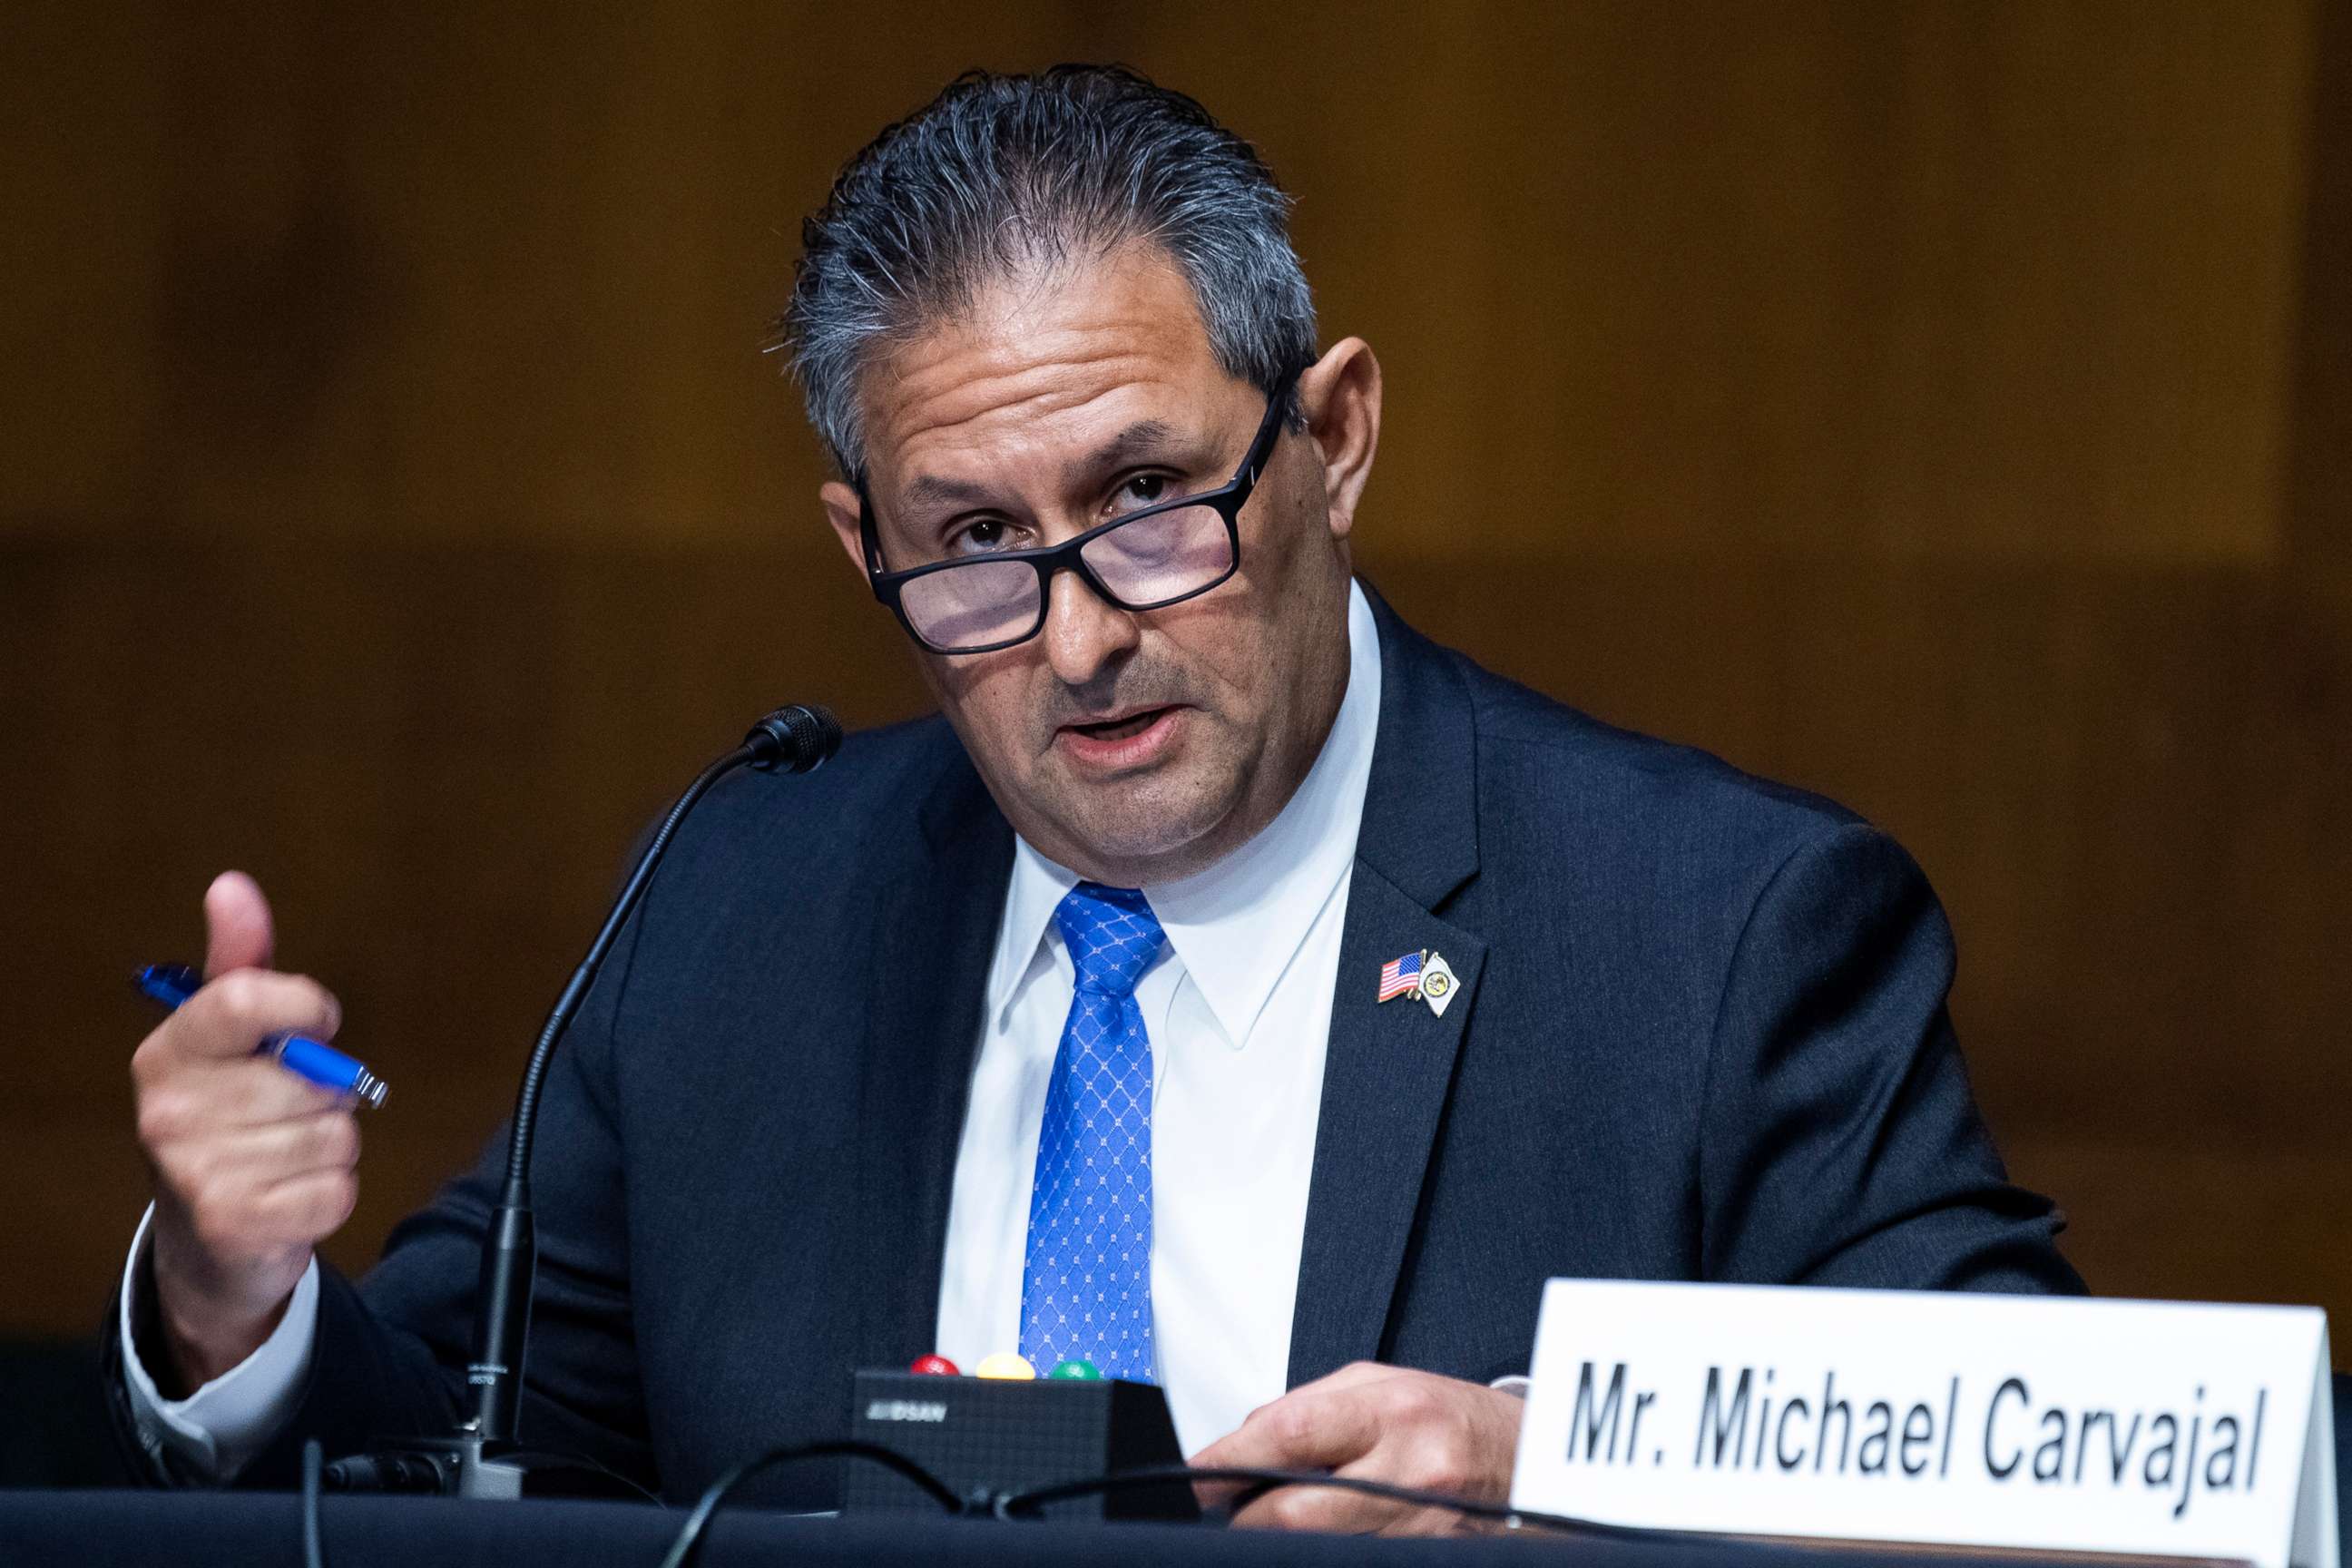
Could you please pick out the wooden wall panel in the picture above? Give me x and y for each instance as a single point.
(2017, 278)
(2319, 492)
(1938, 405)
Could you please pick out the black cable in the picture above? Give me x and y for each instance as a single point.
(548, 1459)
(684, 1550)
(314, 1546)
(1025, 1505)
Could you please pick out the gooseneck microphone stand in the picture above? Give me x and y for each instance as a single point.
(475, 1460)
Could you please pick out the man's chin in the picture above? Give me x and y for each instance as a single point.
(1133, 860)
(1153, 835)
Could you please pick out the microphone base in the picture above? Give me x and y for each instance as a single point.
(498, 1480)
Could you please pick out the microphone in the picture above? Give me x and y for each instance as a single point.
(794, 740)
(797, 740)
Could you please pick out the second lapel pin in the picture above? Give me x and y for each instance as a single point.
(1438, 984)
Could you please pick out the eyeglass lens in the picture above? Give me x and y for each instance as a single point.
(1157, 557)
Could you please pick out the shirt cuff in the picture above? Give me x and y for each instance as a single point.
(224, 1424)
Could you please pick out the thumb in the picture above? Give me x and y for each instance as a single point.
(237, 925)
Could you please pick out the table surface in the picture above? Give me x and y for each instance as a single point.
(158, 1530)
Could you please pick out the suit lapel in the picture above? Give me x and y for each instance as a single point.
(1389, 1065)
(933, 939)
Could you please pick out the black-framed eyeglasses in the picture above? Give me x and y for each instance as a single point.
(1147, 560)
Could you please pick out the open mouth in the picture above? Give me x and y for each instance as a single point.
(1119, 728)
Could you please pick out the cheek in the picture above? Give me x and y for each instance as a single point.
(1251, 642)
(989, 700)
(1226, 644)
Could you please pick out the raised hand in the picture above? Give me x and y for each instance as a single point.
(253, 1165)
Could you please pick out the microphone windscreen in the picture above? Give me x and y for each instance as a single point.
(794, 740)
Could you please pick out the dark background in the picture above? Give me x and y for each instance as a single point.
(1945, 406)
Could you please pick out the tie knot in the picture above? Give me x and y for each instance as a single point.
(1112, 934)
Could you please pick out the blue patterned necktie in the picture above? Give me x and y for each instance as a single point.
(1085, 1286)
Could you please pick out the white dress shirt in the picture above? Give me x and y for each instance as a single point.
(227, 1421)
(1238, 1007)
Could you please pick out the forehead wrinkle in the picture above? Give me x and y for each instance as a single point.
(971, 398)
(1024, 442)
(1010, 380)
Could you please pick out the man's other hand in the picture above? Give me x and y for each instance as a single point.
(1381, 1424)
(252, 1164)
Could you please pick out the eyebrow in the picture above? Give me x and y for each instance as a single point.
(930, 488)
(1137, 439)
(1143, 436)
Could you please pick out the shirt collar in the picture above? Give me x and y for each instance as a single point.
(1236, 926)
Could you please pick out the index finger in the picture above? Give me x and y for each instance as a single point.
(231, 1017)
(1311, 1427)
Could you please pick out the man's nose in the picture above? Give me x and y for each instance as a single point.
(1085, 634)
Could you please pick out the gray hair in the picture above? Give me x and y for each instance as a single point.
(1003, 173)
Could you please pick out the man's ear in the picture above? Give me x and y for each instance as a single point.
(841, 509)
(1340, 393)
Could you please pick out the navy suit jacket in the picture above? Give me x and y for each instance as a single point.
(1701, 1035)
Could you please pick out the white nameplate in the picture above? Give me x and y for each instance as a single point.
(2020, 1421)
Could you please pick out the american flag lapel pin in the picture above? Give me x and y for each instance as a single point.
(1400, 976)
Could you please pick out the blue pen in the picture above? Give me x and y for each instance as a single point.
(172, 984)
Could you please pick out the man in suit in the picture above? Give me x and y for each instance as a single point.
(1085, 1020)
